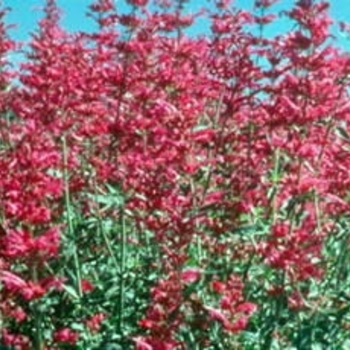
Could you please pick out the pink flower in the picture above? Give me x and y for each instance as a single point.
(17, 243)
(19, 314)
(218, 287)
(48, 243)
(217, 315)
(66, 335)
(28, 290)
(247, 308)
(17, 341)
(87, 286)
(94, 322)
(141, 344)
(138, 2)
(190, 275)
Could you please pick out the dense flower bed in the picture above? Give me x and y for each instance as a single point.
(166, 191)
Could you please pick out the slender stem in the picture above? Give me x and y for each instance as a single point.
(317, 210)
(199, 248)
(210, 152)
(69, 215)
(123, 254)
(38, 339)
(103, 232)
(275, 181)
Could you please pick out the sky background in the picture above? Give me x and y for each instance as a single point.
(26, 13)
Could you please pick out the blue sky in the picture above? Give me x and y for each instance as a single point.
(25, 14)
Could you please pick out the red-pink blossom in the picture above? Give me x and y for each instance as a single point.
(66, 335)
(191, 275)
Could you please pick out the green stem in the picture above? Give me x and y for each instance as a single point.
(123, 253)
(38, 339)
(69, 216)
(103, 232)
(317, 211)
(199, 249)
(275, 181)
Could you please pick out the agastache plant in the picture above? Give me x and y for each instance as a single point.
(161, 190)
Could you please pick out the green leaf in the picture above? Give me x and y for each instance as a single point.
(71, 291)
